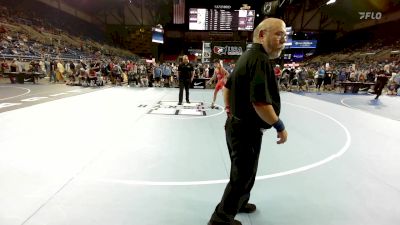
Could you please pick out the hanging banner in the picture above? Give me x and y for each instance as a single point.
(206, 54)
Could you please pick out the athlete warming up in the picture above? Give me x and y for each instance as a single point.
(221, 75)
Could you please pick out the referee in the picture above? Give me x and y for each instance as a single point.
(253, 104)
(185, 77)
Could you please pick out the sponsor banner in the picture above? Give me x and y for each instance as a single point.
(199, 83)
(193, 51)
(298, 56)
(227, 50)
(304, 44)
(291, 65)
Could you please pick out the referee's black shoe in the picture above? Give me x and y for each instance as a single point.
(235, 222)
(248, 208)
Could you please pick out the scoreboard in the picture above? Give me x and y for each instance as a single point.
(221, 19)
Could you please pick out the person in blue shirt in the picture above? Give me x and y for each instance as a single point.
(166, 74)
(343, 75)
(157, 75)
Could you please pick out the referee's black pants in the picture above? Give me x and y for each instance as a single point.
(184, 83)
(244, 144)
(379, 85)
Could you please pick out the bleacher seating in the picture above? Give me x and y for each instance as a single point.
(25, 35)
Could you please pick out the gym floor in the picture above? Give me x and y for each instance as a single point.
(132, 156)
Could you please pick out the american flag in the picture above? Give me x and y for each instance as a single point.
(179, 11)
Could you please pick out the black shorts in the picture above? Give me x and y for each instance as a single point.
(327, 81)
(165, 77)
(157, 79)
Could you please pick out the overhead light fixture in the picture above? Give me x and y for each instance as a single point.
(331, 2)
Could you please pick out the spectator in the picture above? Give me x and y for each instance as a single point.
(166, 74)
(157, 71)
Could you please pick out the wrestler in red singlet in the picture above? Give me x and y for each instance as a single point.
(221, 75)
(220, 80)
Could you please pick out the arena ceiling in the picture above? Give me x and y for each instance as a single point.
(345, 11)
(93, 6)
(348, 10)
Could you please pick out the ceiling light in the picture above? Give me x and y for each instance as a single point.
(331, 2)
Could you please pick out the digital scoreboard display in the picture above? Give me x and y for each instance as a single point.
(221, 19)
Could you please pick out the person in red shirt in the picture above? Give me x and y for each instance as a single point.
(278, 72)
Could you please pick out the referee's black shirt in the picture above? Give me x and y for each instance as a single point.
(185, 71)
(253, 80)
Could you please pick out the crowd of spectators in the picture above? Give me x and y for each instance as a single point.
(22, 35)
(360, 57)
(331, 75)
(30, 45)
(27, 46)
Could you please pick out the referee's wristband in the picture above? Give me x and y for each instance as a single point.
(279, 126)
